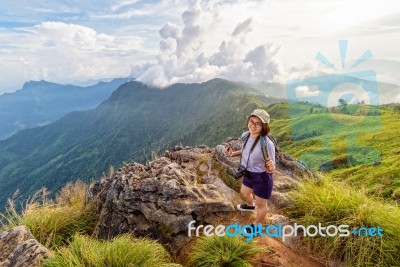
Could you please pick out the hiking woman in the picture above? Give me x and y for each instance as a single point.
(258, 177)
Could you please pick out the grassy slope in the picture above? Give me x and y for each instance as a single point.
(318, 142)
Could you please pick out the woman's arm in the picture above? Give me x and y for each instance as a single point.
(229, 151)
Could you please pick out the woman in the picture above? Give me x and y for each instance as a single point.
(258, 178)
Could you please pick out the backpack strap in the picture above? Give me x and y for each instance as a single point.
(270, 137)
(252, 147)
(245, 136)
(263, 142)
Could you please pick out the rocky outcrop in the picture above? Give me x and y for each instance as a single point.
(287, 175)
(18, 248)
(160, 199)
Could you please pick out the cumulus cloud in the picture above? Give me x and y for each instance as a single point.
(65, 53)
(243, 27)
(183, 56)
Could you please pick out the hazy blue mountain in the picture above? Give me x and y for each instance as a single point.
(132, 123)
(39, 103)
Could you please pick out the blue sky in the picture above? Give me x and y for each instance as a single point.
(162, 42)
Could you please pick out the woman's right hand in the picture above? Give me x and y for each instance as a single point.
(228, 151)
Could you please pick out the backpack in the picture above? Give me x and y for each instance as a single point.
(263, 142)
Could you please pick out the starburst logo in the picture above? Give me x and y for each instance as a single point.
(343, 51)
(344, 105)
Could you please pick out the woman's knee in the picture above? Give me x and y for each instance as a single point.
(245, 191)
(261, 203)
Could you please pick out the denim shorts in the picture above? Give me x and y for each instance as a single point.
(260, 182)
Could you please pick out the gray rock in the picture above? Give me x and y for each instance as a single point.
(160, 199)
(18, 248)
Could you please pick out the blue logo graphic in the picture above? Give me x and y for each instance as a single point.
(345, 108)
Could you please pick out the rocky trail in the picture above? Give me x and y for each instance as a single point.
(278, 255)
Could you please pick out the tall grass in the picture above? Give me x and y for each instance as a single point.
(122, 251)
(53, 223)
(334, 203)
(223, 251)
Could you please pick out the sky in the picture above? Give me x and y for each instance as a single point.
(164, 42)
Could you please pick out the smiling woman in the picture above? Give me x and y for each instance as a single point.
(257, 164)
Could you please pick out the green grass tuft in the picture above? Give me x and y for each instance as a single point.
(54, 223)
(223, 251)
(122, 251)
(334, 203)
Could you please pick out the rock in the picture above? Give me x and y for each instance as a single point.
(230, 194)
(18, 248)
(160, 199)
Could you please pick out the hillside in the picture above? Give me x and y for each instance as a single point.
(41, 102)
(134, 122)
(363, 150)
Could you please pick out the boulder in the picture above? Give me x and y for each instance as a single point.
(160, 199)
(18, 248)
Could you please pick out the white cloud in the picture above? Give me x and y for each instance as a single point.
(183, 57)
(65, 53)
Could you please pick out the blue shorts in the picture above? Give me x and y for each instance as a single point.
(260, 182)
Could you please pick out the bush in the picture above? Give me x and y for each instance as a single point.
(223, 251)
(333, 203)
(54, 223)
(122, 251)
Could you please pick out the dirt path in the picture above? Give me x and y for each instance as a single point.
(278, 254)
(281, 255)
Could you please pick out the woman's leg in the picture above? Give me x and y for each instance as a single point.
(247, 194)
(261, 209)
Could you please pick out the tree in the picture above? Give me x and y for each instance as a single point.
(343, 106)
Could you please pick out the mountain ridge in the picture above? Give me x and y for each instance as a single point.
(41, 102)
(134, 122)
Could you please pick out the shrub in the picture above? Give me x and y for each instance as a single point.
(223, 251)
(122, 251)
(54, 223)
(334, 203)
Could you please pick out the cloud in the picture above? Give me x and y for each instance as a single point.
(242, 27)
(183, 56)
(64, 53)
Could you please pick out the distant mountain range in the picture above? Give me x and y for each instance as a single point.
(40, 102)
(130, 125)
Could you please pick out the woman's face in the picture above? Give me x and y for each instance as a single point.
(255, 125)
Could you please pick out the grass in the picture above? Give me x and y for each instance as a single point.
(223, 251)
(334, 203)
(122, 251)
(53, 223)
(371, 164)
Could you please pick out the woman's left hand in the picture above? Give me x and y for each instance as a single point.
(269, 165)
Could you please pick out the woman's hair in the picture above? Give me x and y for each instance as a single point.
(265, 128)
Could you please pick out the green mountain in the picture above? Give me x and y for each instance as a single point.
(134, 122)
(40, 102)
